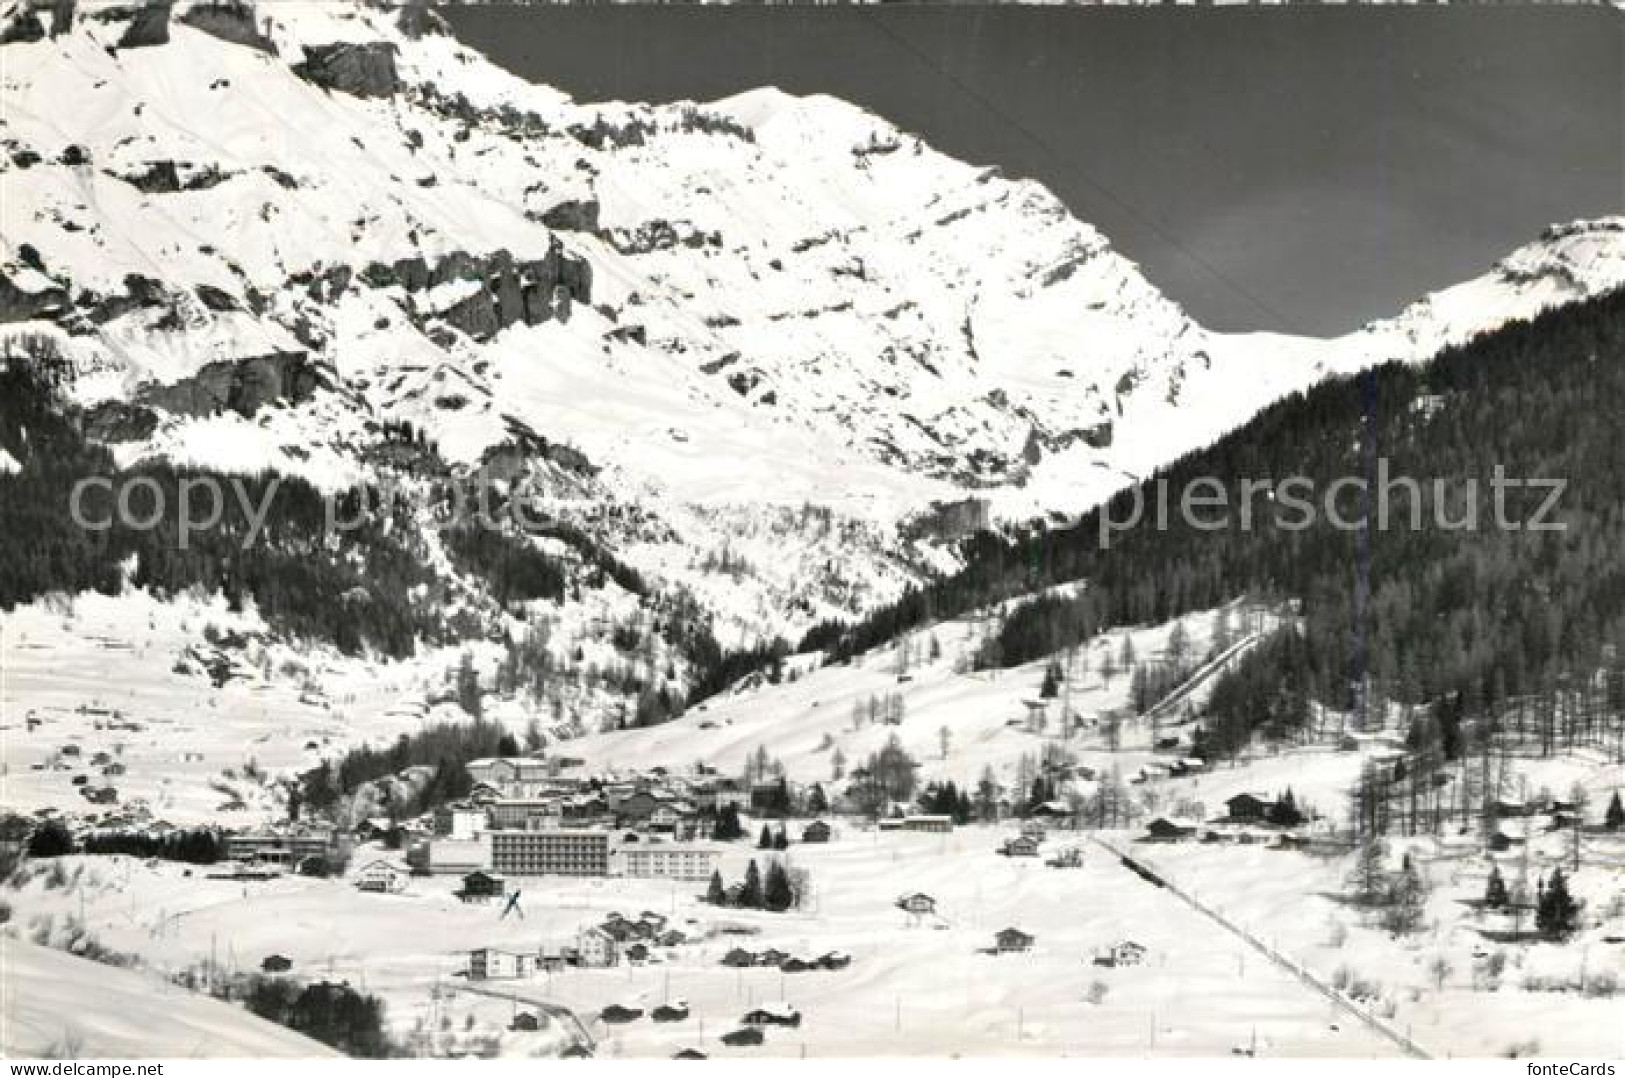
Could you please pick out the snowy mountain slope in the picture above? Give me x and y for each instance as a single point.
(730, 310)
(60, 1006)
(822, 715)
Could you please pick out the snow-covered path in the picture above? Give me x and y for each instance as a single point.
(1291, 966)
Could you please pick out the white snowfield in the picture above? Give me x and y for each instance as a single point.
(120, 683)
(56, 1005)
(989, 716)
(914, 987)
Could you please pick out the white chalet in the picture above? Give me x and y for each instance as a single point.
(491, 964)
(381, 877)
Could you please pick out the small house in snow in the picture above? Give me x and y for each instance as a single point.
(739, 958)
(772, 1014)
(918, 903)
(491, 964)
(381, 877)
(835, 960)
(674, 1011)
(480, 885)
(1012, 940)
(1169, 829)
(1248, 807)
(1021, 846)
(1123, 953)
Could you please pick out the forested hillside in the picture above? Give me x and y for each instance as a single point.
(1471, 619)
(366, 580)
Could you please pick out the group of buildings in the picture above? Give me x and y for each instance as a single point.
(522, 818)
(616, 939)
(1274, 817)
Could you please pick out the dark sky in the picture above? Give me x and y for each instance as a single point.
(1304, 169)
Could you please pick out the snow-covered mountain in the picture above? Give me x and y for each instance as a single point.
(256, 236)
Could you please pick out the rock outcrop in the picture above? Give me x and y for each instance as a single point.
(365, 69)
(243, 386)
(948, 522)
(26, 294)
(145, 24)
(168, 177)
(661, 235)
(20, 23)
(229, 20)
(497, 290)
(575, 215)
(117, 421)
(416, 20)
(20, 20)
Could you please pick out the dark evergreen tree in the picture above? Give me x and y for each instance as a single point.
(1052, 681)
(715, 893)
(1285, 812)
(1614, 818)
(777, 894)
(780, 803)
(1495, 891)
(750, 896)
(51, 839)
(1557, 914)
(727, 827)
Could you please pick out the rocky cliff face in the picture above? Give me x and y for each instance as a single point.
(243, 386)
(20, 22)
(235, 21)
(365, 69)
(27, 295)
(482, 295)
(144, 24)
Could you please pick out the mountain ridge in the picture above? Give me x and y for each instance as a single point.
(725, 310)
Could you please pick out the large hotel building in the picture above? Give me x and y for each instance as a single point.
(555, 852)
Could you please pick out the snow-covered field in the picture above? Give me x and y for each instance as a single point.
(124, 676)
(911, 989)
(1295, 901)
(988, 714)
(60, 1006)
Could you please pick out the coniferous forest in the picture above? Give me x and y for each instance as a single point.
(367, 584)
(1523, 627)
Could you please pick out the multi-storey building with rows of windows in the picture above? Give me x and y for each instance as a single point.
(551, 852)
